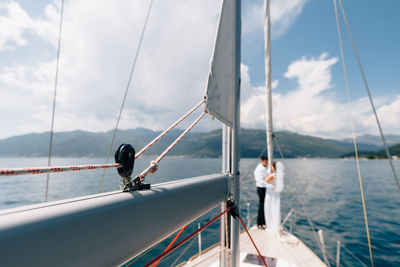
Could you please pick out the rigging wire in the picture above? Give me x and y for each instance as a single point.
(54, 99)
(309, 220)
(369, 93)
(126, 92)
(353, 131)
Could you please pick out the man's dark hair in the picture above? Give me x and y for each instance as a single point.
(263, 158)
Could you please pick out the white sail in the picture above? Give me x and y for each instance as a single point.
(221, 81)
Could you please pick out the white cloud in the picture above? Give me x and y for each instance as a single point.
(13, 25)
(283, 14)
(309, 110)
(389, 114)
(16, 23)
(274, 84)
(98, 46)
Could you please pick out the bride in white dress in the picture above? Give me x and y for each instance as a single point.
(272, 203)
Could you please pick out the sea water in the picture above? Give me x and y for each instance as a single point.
(328, 189)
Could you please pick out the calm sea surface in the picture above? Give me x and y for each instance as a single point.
(328, 188)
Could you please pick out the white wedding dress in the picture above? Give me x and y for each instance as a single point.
(272, 203)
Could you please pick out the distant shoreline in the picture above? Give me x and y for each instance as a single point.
(81, 144)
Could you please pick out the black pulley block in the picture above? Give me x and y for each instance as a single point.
(125, 156)
(234, 211)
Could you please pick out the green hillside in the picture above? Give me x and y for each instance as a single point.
(381, 154)
(394, 151)
(197, 144)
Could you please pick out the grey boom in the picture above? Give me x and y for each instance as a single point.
(104, 229)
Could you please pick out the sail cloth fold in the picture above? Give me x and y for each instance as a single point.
(221, 81)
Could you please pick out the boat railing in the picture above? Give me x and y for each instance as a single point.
(291, 218)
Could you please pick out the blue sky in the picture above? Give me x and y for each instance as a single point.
(313, 32)
(100, 37)
(374, 26)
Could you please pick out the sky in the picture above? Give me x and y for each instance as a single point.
(99, 41)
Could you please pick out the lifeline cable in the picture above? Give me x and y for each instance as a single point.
(126, 93)
(54, 99)
(165, 253)
(353, 133)
(369, 94)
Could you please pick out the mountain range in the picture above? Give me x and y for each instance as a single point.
(196, 144)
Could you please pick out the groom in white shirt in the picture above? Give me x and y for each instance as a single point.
(260, 173)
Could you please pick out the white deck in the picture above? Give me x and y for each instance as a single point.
(286, 248)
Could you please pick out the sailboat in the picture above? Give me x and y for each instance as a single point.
(111, 228)
(259, 247)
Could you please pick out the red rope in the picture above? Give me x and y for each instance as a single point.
(165, 253)
(172, 242)
(254, 244)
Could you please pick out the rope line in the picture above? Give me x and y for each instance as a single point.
(54, 169)
(165, 253)
(252, 241)
(369, 94)
(171, 243)
(353, 134)
(153, 165)
(161, 135)
(126, 93)
(39, 170)
(54, 99)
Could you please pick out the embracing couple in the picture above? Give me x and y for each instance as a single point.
(269, 182)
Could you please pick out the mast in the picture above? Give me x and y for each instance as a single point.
(236, 132)
(226, 168)
(267, 38)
